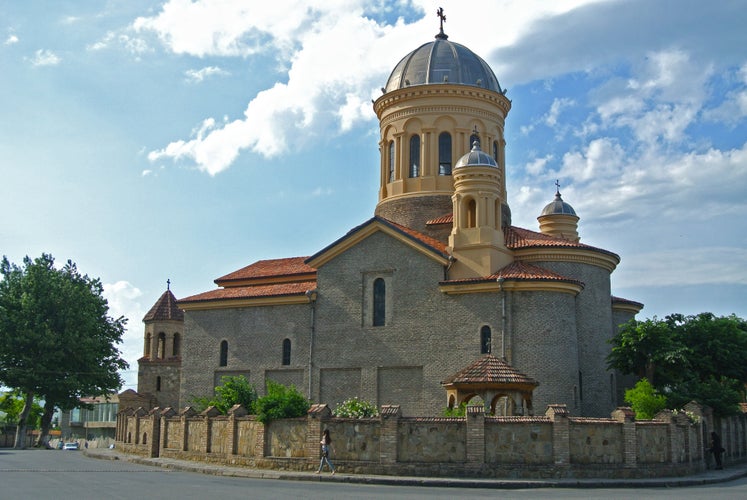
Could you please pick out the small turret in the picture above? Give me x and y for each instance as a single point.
(558, 219)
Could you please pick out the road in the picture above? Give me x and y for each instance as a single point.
(56, 474)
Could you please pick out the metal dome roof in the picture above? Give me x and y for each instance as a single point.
(442, 61)
(476, 158)
(558, 207)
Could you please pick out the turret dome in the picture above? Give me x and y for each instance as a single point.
(476, 158)
(558, 207)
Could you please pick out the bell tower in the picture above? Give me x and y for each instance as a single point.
(159, 370)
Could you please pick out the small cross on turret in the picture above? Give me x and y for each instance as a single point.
(442, 18)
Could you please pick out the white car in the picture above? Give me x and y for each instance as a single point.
(71, 446)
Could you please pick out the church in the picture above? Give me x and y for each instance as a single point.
(433, 301)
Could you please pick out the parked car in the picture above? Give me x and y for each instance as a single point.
(71, 446)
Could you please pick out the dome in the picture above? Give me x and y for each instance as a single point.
(558, 207)
(442, 61)
(476, 158)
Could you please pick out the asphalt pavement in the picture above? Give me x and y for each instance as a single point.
(711, 476)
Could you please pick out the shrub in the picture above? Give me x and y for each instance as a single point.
(457, 411)
(280, 402)
(233, 390)
(644, 400)
(356, 408)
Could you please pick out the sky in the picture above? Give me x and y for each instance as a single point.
(181, 140)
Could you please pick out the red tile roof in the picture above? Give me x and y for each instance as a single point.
(165, 308)
(254, 291)
(269, 268)
(520, 271)
(444, 219)
(489, 370)
(518, 237)
(431, 242)
(620, 300)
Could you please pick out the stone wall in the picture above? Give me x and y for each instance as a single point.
(553, 445)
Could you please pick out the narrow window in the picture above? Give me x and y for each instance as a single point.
(444, 154)
(485, 340)
(379, 302)
(286, 352)
(471, 213)
(495, 151)
(145, 438)
(613, 398)
(147, 345)
(177, 345)
(224, 353)
(580, 386)
(391, 161)
(414, 156)
(161, 345)
(474, 138)
(158, 384)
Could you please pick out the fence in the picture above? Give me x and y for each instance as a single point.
(554, 445)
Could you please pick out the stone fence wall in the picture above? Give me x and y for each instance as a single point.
(553, 445)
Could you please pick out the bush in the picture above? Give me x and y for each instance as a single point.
(232, 391)
(457, 411)
(280, 402)
(356, 408)
(644, 400)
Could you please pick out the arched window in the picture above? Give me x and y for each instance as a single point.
(286, 352)
(147, 345)
(177, 345)
(415, 156)
(161, 345)
(485, 340)
(223, 353)
(444, 153)
(474, 138)
(145, 438)
(379, 302)
(158, 383)
(495, 151)
(471, 213)
(391, 161)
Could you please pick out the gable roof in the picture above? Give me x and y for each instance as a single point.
(165, 308)
(415, 239)
(272, 270)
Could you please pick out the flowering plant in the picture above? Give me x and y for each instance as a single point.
(356, 408)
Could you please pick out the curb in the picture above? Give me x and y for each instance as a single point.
(705, 478)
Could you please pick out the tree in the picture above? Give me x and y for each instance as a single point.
(701, 358)
(280, 402)
(57, 340)
(232, 391)
(11, 404)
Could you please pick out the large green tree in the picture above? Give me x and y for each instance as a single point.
(57, 340)
(701, 357)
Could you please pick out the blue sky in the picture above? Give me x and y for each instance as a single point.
(182, 140)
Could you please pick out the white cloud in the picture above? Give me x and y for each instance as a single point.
(124, 300)
(43, 57)
(329, 84)
(12, 39)
(198, 75)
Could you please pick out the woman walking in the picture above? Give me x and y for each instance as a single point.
(326, 443)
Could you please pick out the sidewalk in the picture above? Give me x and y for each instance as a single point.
(708, 477)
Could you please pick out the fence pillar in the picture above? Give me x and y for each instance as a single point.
(184, 415)
(233, 438)
(315, 418)
(561, 434)
(155, 432)
(163, 435)
(626, 416)
(475, 434)
(388, 452)
(207, 438)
